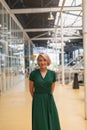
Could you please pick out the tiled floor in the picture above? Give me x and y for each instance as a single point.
(15, 108)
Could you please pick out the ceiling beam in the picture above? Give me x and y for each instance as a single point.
(58, 38)
(44, 10)
(39, 29)
(51, 29)
(13, 17)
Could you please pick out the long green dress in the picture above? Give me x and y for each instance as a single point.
(44, 111)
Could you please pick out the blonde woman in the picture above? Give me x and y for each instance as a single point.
(41, 86)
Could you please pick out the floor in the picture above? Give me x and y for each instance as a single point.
(15, 107)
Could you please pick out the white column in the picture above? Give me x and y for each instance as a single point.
(62, 50)
(84, 6)
(56, 51)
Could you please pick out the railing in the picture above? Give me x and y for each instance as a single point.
(69, 72)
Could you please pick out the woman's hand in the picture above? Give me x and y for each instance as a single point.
(53, 86)
(31, 87)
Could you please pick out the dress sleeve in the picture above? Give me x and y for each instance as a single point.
(31, 76)
(54, 78)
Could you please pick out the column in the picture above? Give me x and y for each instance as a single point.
(84, 7)
(62, 50)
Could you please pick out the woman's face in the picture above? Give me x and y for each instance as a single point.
(42, 62)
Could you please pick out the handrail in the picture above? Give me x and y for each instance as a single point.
(79, 63)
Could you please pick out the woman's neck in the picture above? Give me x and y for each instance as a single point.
(43, 69)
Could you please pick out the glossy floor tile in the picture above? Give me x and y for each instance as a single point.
(15, 107)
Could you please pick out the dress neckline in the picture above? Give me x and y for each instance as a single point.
(43, 77)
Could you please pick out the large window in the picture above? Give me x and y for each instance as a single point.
(11, 51)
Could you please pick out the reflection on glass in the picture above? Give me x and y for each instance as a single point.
(11, 51)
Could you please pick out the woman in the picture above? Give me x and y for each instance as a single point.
(41, 86)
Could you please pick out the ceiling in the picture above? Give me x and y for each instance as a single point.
(36, 24)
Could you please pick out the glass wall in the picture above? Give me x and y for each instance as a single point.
(11, 52)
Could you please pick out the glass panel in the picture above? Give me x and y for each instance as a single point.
(0, 49)
(11, 52)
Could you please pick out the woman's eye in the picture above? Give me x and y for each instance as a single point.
(40, 60)
(44, 60)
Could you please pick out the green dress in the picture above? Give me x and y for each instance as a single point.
(44, 111)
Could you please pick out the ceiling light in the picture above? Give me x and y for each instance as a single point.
(48, 42)
(49, 33)
(0, 25)
(51, 17)
(69, 40)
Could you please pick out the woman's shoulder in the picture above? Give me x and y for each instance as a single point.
(33, 74)
(51, 71)
(34, 71)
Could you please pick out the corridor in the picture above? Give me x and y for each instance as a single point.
(15, 107)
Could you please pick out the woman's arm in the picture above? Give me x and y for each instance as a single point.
(53, 86)
(31, 87)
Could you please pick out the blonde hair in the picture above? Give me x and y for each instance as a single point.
(46, 57)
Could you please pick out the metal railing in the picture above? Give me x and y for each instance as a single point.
(69, 72)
